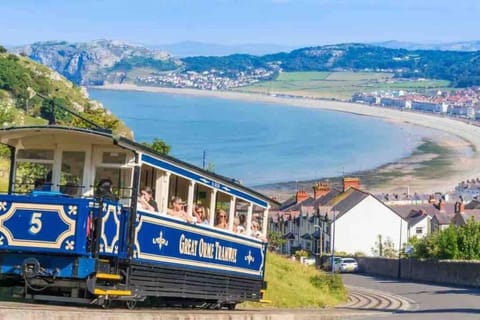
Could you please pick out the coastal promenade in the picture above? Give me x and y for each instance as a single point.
(463, 166)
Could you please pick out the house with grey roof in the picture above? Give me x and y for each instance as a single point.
(425, 218)
(359, 218)
(348, 220)
(461, 218)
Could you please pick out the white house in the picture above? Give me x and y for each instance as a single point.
(360, 218)
(306, 222)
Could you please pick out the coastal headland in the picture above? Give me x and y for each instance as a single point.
(446, 157)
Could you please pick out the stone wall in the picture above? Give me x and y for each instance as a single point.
(463, 273)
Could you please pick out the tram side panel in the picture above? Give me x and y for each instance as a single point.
(172, 258)
(48, 235)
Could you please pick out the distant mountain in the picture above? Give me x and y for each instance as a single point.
(117, 62)
(99, 61)
(194, 48)
(461, 68)
(449, 46)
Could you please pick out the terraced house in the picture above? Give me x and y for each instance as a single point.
(346, 219)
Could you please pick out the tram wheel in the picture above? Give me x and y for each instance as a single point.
(231, 306)
(131, 304)
(106, 304)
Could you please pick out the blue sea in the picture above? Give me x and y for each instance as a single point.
(260, 143)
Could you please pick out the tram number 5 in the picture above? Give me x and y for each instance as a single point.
(35, 223)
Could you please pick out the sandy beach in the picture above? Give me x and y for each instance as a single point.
(460, 139)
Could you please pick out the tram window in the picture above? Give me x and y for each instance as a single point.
(30, 175)
(35, 154)
(33, 170)
(71, 176)
(114, 158)
(240, 223)
(121, 179)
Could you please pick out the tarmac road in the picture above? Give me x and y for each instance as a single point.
(420, 300)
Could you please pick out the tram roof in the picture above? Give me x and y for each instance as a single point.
(12, 135)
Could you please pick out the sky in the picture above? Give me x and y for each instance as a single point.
(283, 22)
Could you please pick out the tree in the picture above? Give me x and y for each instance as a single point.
(452, 243)
(158, 145)
(469, 240)
(210, 167)
(61, 116)
(385, 248)
(275, 240)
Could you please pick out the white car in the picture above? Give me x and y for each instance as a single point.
(346, 265)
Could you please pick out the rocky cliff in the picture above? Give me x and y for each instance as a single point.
(99, 61)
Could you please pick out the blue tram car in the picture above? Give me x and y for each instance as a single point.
(63, 240)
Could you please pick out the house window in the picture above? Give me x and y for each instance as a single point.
(308, 245)
(419, 230)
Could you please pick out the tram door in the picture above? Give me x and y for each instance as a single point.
(112, 216)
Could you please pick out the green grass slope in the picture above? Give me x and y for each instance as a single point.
(340, 85)
(293, 285)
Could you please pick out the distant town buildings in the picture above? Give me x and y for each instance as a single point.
(350, 220)
(464, 103)
(207, 80)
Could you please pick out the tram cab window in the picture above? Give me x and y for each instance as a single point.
(33, 170)
(72, 172)
(121, 180)
(114, 165)
(114, 158)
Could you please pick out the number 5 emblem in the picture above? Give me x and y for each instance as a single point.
(35, 223)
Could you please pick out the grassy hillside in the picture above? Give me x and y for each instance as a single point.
(22, 81)
(339, 85)
(293, 285)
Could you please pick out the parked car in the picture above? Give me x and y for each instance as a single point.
(347, 265)
(327, 265)
(341, 265)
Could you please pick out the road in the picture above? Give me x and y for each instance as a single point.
(369, 298)
(411, 300)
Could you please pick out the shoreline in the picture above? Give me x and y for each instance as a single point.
(460, 138)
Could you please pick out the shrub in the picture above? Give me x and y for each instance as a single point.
(301, 253)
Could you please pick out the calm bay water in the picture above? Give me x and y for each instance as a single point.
(261, 143)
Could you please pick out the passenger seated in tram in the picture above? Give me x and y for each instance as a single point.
(38, 185)
(255, 232)
(43, 184)
(146, 199)
(177, 209)
(69, 189)
(222, 219)
(240, 224)
(200, 214)
(104, 190)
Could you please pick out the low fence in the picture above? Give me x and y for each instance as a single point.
(465, 273)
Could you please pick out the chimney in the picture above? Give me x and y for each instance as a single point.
(302, 195)
(441, 205)
(349, 182)
(320, 189)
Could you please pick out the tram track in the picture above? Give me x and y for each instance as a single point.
(361, 302)
(372, 300)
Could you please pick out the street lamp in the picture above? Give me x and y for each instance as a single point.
(333, 240)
